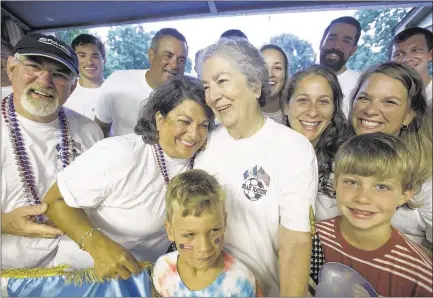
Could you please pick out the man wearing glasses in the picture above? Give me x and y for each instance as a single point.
(39, 139)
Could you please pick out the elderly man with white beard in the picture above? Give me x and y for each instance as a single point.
(39, 139)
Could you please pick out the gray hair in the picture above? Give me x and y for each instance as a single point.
(244, 58)
(166, 32)
(164, 99)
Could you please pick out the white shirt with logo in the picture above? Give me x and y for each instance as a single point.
(347, 80)
(83, 101)
(119, 184)
(42, 143)
(270, 179)
(121, 95)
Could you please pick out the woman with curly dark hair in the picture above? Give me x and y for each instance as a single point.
(110, 200)
(313, 107)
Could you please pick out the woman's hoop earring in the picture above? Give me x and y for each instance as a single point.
(403, 127)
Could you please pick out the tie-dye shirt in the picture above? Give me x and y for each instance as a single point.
(235, 280)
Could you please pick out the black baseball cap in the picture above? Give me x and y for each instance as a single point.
(36, 44)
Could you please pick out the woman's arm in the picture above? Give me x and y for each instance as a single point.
(294, 261)
(110, 258)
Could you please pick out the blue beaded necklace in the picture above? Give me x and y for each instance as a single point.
(159, 153)
(20, 154)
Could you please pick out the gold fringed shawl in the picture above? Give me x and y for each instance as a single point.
(76, 277)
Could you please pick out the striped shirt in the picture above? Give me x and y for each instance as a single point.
(399, 268)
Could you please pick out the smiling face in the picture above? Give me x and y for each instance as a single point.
(227, 93)
(414, 53)
(200, 238)
(168, 60)
(338, 46)
(311, 107)
(183, 130)
(39, 95)
(91, 63)
(381, 105)
(369, 202)
(275, 63)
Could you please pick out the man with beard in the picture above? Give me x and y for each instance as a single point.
(414, 47)
(39, 139)
(91, 59)
(124, 90)
(338, 44)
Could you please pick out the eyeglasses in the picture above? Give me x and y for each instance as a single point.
(35, 70)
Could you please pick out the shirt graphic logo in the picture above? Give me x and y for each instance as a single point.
(255, 183)
(77, 149)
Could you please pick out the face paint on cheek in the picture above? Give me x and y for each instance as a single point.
(186, 246)
(217, 240)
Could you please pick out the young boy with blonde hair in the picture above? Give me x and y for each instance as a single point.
(196, 222)
(374, 175)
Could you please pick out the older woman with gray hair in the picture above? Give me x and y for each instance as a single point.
(110, 200)
(269, 172)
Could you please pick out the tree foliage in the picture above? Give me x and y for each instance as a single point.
(377, 30)
(127, 48)
(300, 52)
(69, 35)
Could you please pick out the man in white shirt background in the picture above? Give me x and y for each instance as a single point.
(414, 47)
(91, 58)
(124, 90)
(338, 44)
(6, 51)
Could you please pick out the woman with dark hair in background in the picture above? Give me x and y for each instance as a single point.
(313, 107)
(278, 68)
(110, 200)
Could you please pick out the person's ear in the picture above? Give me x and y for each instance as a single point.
(353, 50)
(10, 66)
(150, 55)
(406, 196)
(159, 120)
(74, 85)
(430, 55)
(409, 117)
(169, 230)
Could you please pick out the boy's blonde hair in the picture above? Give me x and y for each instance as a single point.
(379, 155)
(194, 191)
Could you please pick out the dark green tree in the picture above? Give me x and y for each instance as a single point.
(300, 52)
(127, 48)
(377, 30)
(69, 35)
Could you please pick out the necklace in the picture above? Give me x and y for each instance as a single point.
(20, 155)
(161, 162)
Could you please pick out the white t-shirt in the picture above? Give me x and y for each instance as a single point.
(269, 179)
(83, 101)
(347, 80)
(429, 91)
(416, 224)
(276, 116)
(121, 96)
(120, 184)
(6, 91)
(42, 142)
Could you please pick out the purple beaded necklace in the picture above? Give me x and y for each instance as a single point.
(20, 155)
(161, 163)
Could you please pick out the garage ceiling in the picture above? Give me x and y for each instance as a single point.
(55, 15)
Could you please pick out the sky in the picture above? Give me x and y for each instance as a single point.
(201, 32)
